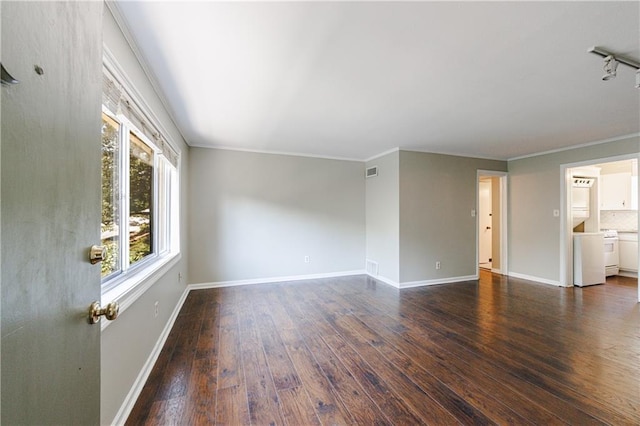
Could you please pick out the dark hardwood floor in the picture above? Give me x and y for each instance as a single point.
(355, 351)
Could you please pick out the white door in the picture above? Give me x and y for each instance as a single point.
(484, 223)
(50, 212)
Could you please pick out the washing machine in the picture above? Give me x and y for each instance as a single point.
(588, 261)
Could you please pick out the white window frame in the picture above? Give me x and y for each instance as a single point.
(133, 280)
(126, 127)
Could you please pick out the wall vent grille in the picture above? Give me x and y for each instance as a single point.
(372, 268)
(371, 172)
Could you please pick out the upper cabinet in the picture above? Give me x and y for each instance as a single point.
(618, 191)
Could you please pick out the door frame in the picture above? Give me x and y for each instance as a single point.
(503, 194)
(566, 230)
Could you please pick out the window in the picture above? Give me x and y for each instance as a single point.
(110, 225)
(140, 200)
(141, 209)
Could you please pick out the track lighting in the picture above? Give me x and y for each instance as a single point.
(610, 68)
(611, 62)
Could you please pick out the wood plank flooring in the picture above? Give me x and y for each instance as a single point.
(355, 351)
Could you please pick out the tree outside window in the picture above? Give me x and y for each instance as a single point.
(134, 174)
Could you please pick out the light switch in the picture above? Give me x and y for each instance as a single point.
(473, 213)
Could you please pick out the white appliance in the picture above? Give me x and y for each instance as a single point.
(611, 253)
(580, 199)
(588, 259)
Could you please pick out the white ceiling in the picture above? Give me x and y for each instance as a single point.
(355, 79)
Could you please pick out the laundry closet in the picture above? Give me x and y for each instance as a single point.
(604, 213)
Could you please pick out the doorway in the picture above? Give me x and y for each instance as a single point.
(491, 229)
(485, 231)
(615, 207)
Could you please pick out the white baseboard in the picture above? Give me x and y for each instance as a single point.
(385, 280)
(410, 284)
(136, 389)
(275, 279)
(534, 278)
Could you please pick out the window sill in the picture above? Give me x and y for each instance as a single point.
(134, 286)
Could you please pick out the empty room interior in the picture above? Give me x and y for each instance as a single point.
(320, 212)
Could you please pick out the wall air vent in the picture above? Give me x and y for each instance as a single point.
(372, 267)
(372, 172)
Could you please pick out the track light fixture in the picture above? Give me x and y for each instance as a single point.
(611, 62)
(610, 68)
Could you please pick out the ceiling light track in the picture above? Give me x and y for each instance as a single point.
(611, 62)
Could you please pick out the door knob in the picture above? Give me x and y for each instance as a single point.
(97, 254)
(110, 312)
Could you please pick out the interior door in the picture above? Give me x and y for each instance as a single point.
(50, 211)
(484, 222)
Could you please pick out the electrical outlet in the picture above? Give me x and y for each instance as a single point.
(179, 277)
(307, 259)
(155, 313)
(438, 264)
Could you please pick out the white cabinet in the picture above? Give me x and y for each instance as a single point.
(616, 192)
(628, 247)
(634, 192)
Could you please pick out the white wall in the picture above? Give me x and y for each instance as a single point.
(534, 192)
(128, 341)
(383, 216)
(437, 194)
(256, 216)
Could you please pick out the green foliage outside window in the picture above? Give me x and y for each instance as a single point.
(140, 200)
(110, 195)
(140, 215)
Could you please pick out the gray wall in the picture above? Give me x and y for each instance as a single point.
(534, 192)
(383, 216)
(128, 341)
(437, 194)
(256, 216)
